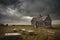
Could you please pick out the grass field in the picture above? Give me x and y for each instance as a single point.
(41, 32)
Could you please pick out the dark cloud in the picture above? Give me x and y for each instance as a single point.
(44, 7)
(12, 11)
(8, 2)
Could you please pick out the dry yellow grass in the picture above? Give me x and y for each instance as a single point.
(41, 33)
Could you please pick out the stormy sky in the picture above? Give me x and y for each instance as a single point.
(22, 11)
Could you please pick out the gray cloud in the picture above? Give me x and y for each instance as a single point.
(41, 7)
(9, 2)
(21, 11)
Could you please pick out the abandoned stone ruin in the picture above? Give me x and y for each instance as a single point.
(41, 21)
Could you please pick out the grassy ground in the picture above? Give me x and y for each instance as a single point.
(41, 33)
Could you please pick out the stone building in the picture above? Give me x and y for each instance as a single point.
(41, 21)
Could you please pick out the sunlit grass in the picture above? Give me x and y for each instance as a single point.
(41, 32)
